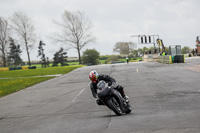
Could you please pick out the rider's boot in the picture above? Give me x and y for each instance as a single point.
(126, 98)
(99, 102)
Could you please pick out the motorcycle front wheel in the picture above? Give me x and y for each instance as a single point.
(114, 105)
(128, 109)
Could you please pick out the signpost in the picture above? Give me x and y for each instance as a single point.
(147, 39)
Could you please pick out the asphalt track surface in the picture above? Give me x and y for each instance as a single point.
(165, 99)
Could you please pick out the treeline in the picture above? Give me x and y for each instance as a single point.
(145, 50)
(92, 56)
(18, 32)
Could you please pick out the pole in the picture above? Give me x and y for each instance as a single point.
(154, 45)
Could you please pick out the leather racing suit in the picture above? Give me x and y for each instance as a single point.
(108, 79)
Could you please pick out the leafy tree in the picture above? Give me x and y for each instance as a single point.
(124, 47)
(151, 49)
(166, 50)
(41, 53)
(142, 50)
(24, 28)
(90, 56)
(185, 50)
(135, 53)
(3, 38)
(14, 54)
(113, 58)
(103, 57)
(60, 57)
(76, 31)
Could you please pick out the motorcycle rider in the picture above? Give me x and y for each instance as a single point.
(95, 78)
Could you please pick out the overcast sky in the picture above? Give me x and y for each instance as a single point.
(175, 21)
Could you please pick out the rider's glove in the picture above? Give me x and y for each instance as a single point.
(114, 84)
(109, 83)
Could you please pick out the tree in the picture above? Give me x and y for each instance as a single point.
(167, 50)
(124, 47)
(151, 49)
(3, 38)
(41, 53)
(76, 31)
(142, 50)
(135, 53)
(185, 50)
(24, 28)
(60, 57)
(90, 56)
(113, 58)
(14, 54)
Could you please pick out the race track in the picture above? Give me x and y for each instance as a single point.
(165, 99)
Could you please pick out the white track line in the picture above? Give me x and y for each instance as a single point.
(78, 95)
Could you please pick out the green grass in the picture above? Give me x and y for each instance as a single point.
(13, 81)
(8, 86)
(73, 63)
(103, 61)
(37, 72)
(59, 65)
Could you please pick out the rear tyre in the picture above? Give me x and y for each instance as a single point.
(114, 105)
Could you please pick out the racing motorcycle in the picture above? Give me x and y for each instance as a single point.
(112, 98)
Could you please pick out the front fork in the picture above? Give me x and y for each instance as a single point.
(119, 99)
(114, 93)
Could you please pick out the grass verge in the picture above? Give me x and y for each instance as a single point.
(13, 81)
(37, 72)
(8, 86)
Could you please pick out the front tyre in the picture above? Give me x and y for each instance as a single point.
(128, 110)
(114, 105)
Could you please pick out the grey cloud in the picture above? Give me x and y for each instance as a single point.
(176, 21)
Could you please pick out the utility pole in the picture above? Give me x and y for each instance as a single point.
(197, 41)
(198, 46)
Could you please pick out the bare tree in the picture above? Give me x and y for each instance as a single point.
(3, 38)
(75, 31)
(24, 28)
(124, 47)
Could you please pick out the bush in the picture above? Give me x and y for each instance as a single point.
(90, 56)
(113, 58)
(104, 57)
(135, 58)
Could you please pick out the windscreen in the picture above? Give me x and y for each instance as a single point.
(102, 85)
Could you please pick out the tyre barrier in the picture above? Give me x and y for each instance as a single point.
(32, 67)
(25, 67)
(179, 59)
(17, 68)
(168, 59)
(4, 69)
(188, 55)
(165, 59)
(150, 57)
